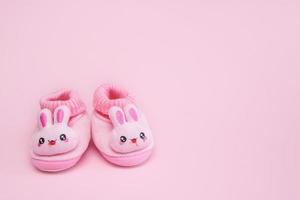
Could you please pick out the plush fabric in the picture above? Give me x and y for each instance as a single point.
(128, 135)
(102, 135)
(62, 112)
(117, 127)
(54, 138)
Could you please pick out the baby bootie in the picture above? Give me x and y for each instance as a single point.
(63, 134)
(120, 130)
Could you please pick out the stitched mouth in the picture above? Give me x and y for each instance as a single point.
(133, 140)
(51, 142)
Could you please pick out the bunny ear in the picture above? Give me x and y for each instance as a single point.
(116, 116)
(45, 118)
(131, 113)
(62, 115)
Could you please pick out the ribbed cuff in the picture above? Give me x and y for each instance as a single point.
(109, 95)
(65, 97)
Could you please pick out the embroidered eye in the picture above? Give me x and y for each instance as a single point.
(123, 139)
(142, 135)
(41, 140)
(62, 137)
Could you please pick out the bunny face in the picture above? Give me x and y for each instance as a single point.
(131, 135)
(57, 138)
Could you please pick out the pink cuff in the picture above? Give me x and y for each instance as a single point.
(65, 97)
(109, 95)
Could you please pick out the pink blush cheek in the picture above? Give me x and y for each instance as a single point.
(119, 147)
(144, 142)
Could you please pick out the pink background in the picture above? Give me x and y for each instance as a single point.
(218, 81)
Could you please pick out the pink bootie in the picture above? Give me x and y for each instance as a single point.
(63, 134)
(119, 129)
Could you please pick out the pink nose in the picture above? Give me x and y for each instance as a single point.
(133, 140)
(51, 142)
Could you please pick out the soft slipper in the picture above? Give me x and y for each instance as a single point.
(63, 134)
(119, 129)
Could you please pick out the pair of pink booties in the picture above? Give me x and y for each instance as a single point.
(119, 129)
